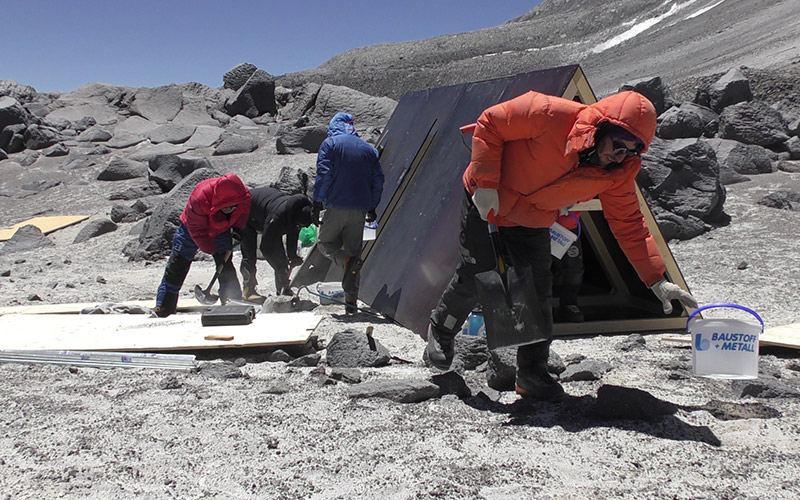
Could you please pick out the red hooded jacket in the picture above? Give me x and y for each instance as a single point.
(527, 148)
(202, 215)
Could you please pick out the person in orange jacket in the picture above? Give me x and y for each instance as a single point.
(533, 156)
(215, 206)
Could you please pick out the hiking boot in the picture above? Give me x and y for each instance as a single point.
(351, 268)
(538, 384)
(249, 294)
(441, 348)
(161, 312)
(351, 307)
(570, 313)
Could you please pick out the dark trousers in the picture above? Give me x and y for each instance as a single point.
(527, 247)
(568, 274)
(180, 260)
(272, 249)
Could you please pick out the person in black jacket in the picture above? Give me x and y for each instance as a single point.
(274, 214)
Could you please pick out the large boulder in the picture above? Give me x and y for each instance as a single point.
(204, 136)
(236, 77)
(40, 137)
(135, 125)
(149, 151)
(155, 240)
(28, 237)
(654, 89)
(368, 111)
(168, 170)
(308, 139)
(255, 97)
(300, 102)
(174, 133)
(94, 134)
(681, 178)
(746, 159)
(752, 123)
(12, 112)
(119, 169)
(94, 228)
(159, 104)
(733, 87)
(234, 144)
(679, 122)
(22, 93)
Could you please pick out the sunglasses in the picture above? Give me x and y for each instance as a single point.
(620, 148)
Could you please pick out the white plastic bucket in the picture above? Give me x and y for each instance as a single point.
(330, 290)
(725, 348)
(561, 239)
(370, 230)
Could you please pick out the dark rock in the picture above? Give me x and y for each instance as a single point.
(588, 369)
(3, 155)
(40, 137)
(84, 123)
(34, 298)
(255, 97)
(279, 386)
(653, 89)
(307, 360)
(12, 113)
(792, 167)
(752, 123)
(39, 186)
(171, 132)
(168, 170)
(763, 388)
(793, 148)
(302, 101)
(451, 382)
(169, 382)
(742, 265)
(679, 122)
(293, 181)
(368, 111)
(501, 369)
(234, 144)
(732, 88)
(124, 140)
(350, 349)
(223, 370)
(348, 375)
(784, 200)
(59, 149)
(471, 351)
(135, 193)
(120, 169)
(725, 410)
(237, 76)
(28, 237)
(121, 213)
(301, 140)
(159, 104)
(94, 134)
(155, 240)
(279, 356)
(400, 391)
(632, 342)
(95, 228)
(617, 402)
(5, 273)
(680, 181)
(76, 163)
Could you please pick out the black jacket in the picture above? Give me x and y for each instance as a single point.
(275, 213)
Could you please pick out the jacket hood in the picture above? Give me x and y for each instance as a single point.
(229, 190)
(629, 110)
(341, 124)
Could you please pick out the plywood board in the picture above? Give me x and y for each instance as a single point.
(45, 224)
(779, 336)
(136, 332)
(184, 305)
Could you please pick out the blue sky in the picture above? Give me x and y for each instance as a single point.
(61, 45)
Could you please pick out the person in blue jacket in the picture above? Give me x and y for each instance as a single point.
(348, 187)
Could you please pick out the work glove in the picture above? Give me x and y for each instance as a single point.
(486, 199)
(295, 261)
(667, 292)
(316, 208)
(236, 233)
(371, 215)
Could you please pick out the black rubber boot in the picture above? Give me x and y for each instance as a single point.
(441, 347)
(168, 306)
(533, 379)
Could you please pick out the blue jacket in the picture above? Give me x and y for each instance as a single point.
(349, 174)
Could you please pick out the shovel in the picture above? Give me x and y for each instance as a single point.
(205, 296)
(510, 306)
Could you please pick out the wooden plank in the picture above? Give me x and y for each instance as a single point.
(46, 224)
(779, 336)
(136, 332)
(185, 304)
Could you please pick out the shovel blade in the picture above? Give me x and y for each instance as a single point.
(203, 297)
(521, 324)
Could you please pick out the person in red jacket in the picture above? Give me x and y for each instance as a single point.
(533, 156)
(215, 206)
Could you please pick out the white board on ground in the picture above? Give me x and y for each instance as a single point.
(185, 304)
(136, 332)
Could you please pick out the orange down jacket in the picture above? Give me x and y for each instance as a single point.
(202, 215)
(527, 148)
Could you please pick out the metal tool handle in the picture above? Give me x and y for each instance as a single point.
(225, 260)
(497, 250)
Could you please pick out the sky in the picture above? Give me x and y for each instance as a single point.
(62, 45)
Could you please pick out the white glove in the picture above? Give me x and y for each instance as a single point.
(486, 199)
(666, 292)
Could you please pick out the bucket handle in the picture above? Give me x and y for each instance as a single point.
(733, 306)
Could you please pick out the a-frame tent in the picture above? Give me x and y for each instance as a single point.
(424, 154)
